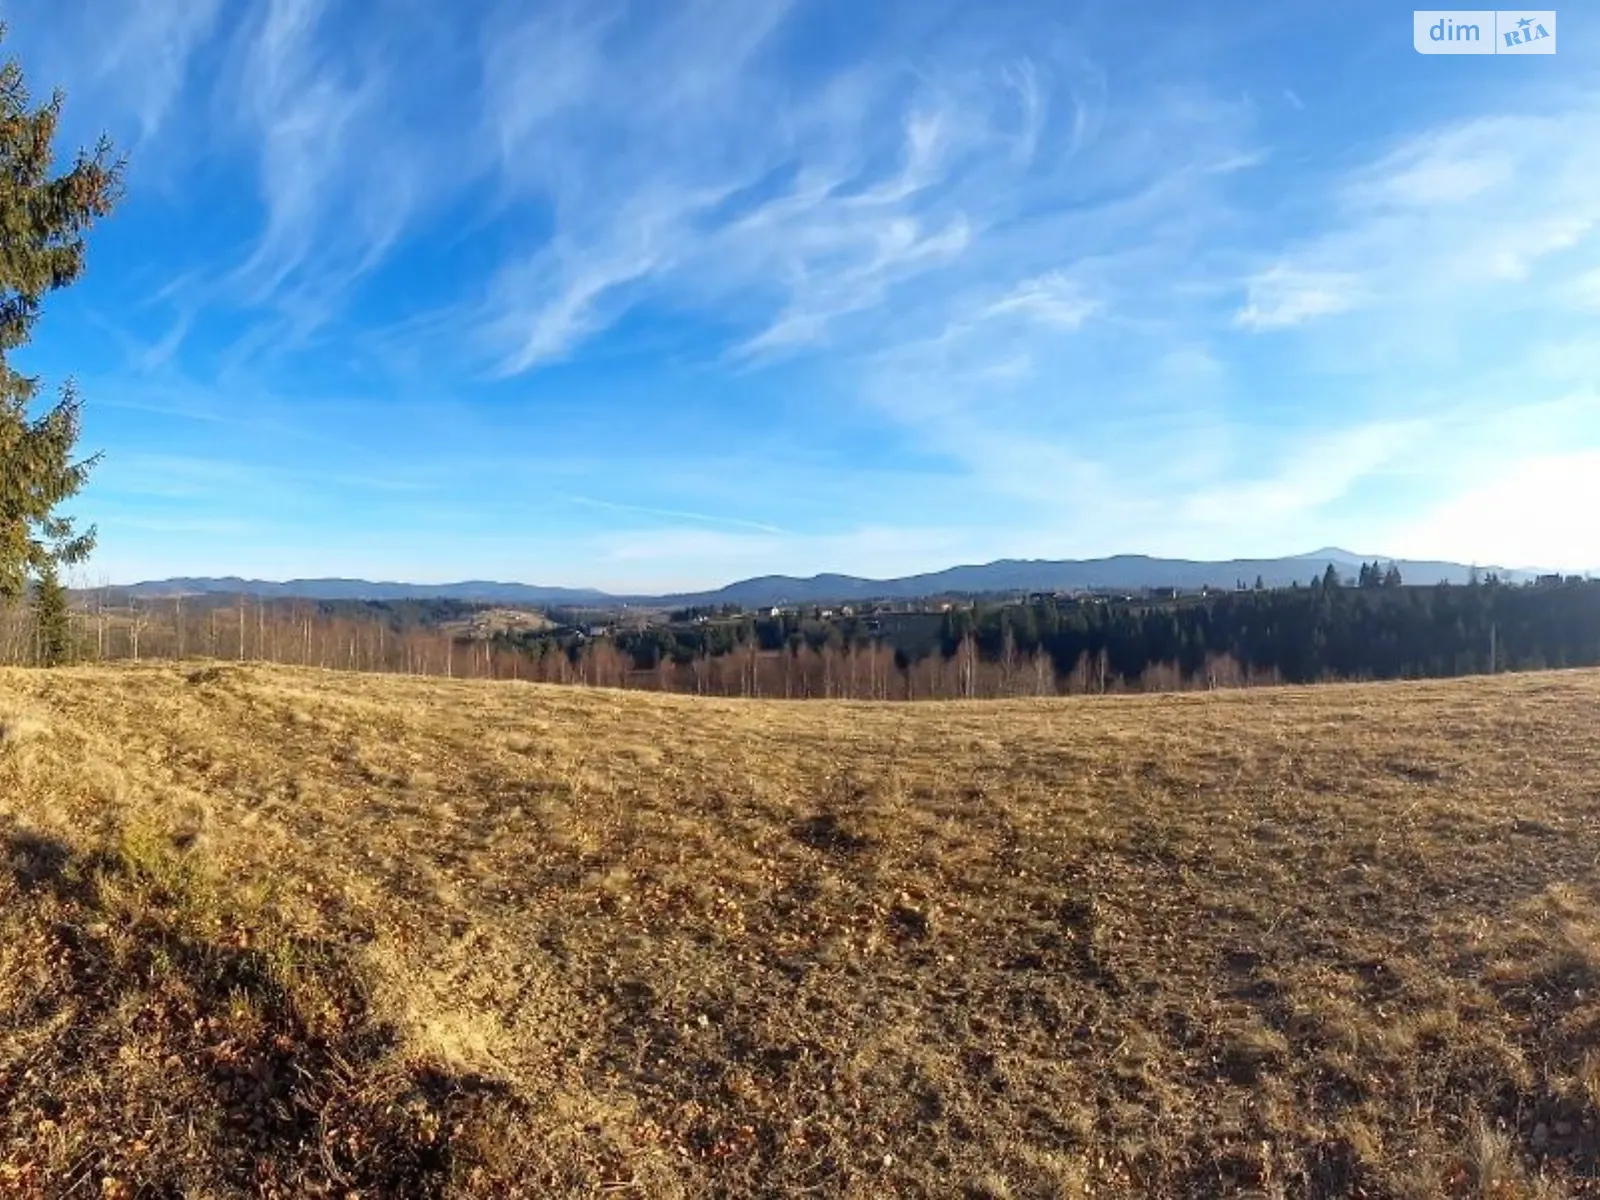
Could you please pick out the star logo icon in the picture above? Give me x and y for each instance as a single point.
(1525, 22)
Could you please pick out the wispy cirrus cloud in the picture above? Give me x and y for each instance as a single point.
(672, 514)
(1442, 220)
(709, 268)
(345, 157)
(799, 215)
(128, 64)
(633, 155)
(149, 54)
(900, 250)
(1284, 296)
(1054, 300)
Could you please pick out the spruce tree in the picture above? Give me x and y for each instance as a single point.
(43, 219)
(53, 618)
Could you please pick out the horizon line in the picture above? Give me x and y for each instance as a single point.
(645, 592)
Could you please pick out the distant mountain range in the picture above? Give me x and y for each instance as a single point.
(483, 591)
(1123, 572)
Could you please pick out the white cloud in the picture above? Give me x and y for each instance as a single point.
(1284, 296)
(123, 65)
(1446, 169)
(809, 211)
(551, 303)
(1443, 220)
(899, 251)
(1053, 299)
(1034, 104)
(338, 184)
(148, 51)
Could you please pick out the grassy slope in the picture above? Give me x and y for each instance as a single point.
(292, 933)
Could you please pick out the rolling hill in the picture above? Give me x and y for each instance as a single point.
(282, 932)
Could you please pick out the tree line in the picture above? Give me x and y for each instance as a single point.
(1377, 629)
(1305, 635)
(1324, 632)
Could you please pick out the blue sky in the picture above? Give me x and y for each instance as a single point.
(659, 295)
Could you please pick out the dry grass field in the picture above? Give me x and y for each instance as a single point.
(269, 931)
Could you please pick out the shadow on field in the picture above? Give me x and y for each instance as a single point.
(150, 1047)
(829, 833)
(38, 862)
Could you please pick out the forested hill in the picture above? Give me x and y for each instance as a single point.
(1301, 634)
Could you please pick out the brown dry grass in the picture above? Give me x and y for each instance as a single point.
(285, 932)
